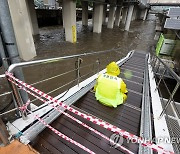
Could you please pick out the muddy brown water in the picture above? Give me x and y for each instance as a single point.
(51, 43)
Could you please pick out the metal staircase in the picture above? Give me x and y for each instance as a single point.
(134, 116)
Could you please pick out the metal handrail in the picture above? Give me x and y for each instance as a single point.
(61, 75)
(172, 73)
(6, 93)
(2, 76)
(14, 109)
(162, 71)
(176, 77)
(52, 60)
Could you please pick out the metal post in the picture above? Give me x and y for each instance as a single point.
(98, 62)
(3, 55)
(162, 75)
(169, 100)
(154, 61)
(18, 99)
(158, 65)
(6, 65)
(78, 71)
(10, 43)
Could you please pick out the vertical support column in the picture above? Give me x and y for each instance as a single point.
(84, 13)
(69, 16)
(134, 15)
(142, 12)
(124, 15)
(32, 17)
(7, 33)
(128, 21)
(22, 29)
(104, 14)
(112, 10)
(145, 14)
(118, 15)
(93, 14)
(52, 3)
(63, 14)
(97, 20)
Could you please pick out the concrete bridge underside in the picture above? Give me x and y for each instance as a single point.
(164, 2)
(25, 23)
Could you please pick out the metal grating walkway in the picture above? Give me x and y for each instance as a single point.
(126, 116)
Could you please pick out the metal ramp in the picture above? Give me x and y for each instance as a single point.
(126, 116)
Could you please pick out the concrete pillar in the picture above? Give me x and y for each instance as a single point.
(63, 14)
(93, 14)
(84, 13)
(141, 15)
(129, 16)
(46, 2)
(118, 15)
(52, 3)
(22, 29)
(124, 15)
(32, 17)
(134, 15)
(69, 16)
(145, 14)
(104, 14)
(97, 19)
(112, 10)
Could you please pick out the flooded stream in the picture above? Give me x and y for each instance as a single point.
(51, 43)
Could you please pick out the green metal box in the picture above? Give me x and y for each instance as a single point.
(165, 45)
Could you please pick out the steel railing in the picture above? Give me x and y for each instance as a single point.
(163, 72)
(96, 64)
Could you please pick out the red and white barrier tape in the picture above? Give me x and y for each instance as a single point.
(95, 120)
(63, 136)
(73, 118)
(24, 107)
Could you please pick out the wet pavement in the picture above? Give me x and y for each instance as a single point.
(51, 43)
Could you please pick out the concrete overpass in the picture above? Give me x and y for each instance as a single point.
(25, 24)
(164, 2)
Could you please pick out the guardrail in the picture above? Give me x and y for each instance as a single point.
(161, 69)
(96, 64)
(171, 109)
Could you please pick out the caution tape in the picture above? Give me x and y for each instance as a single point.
(24, 107)
(73, 118)
(95, 120)
(63, 136)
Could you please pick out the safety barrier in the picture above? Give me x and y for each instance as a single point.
(98, 62)
(93, 119)
(164, 72)
(161, 69)
(23, 108)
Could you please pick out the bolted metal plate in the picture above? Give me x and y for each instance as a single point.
(172, 24)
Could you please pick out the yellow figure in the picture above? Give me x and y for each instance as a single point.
(109, 89)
